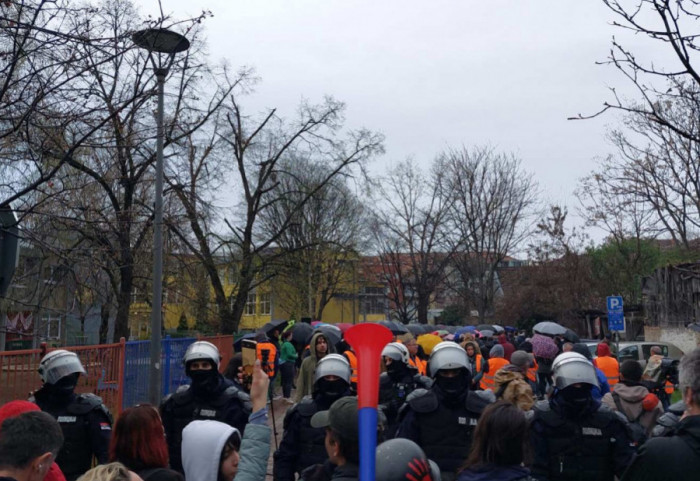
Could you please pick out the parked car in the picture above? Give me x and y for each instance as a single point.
(638, 350)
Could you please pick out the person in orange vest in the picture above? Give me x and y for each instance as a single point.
(496, 362)
(266, 352)
(352, 360)
(410, 342)
(478, 365)
(608, 364)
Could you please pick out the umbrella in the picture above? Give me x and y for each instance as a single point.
(543, 346)
(343, 326)
(315, 323)
(511, 329)
(485, 327)
(498, 329)
(549, 328)
(440, 332)
(464, 330)
(332, 333)
(237, 344)
(415, 329)
(396, 328)
(428, 342)
(571, 336)
(694, 327)
(272, 325)
(450, 337)
(301, 332)
(487, 332)
(452, 329)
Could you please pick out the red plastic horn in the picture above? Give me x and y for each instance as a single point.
(368, 340)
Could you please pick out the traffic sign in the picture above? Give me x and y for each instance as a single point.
(616, 315)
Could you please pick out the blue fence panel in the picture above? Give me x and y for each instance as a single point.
(137, 364)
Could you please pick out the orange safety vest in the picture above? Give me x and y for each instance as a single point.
(669, 387)
(610, 367)
(352, 359)
(495, 363)
(532, 371)
(268, 367)
(419, 364)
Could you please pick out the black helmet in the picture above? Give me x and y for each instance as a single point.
(402, 460)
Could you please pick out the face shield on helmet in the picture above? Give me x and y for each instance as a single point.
(447, 355)
(396, 351)
(202, 351)
(333, 365)
(59, 364)
(573, 368)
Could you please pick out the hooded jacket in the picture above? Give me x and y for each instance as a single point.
(479, 365)
(203, 442)
(675, 457)
(508, 347)
(631, 397)
(305, 378)
(510, 385)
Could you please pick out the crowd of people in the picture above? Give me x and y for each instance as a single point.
(473, 408)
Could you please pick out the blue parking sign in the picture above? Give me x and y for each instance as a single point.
(616, 315)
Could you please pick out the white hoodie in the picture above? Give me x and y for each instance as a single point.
(202, 444)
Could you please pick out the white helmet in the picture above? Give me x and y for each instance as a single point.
(447, 355)
(333, 365)
(573, 368)
(396, 351)
(58, 364)
(202, 350)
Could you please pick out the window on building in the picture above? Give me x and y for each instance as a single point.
(250, 304)
(374, 300)
(265, 304)
(51, 326)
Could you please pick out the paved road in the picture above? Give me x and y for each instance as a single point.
(280, 408)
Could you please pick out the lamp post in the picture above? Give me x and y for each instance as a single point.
(162, 45)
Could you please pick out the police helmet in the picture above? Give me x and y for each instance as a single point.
(447, 355)
(58, 364)
(396, 351)
(573, 368)
(400, 459)
(202, 350)
(333, 365)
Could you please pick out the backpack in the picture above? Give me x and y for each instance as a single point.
(637, 432)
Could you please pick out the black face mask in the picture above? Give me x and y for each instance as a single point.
(576, 400)
(331, 389)
(64, 387)
(452, 386)
(396, 370)
(204, 381)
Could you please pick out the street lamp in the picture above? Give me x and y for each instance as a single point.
(162, 45)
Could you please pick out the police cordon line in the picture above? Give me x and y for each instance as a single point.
(505, 407)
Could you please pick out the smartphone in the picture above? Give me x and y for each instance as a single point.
(248, 352)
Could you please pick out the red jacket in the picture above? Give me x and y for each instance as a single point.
(508, 347)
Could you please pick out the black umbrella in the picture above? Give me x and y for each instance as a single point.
(549, 328)
(237, 345)
(278, 324)
(301, 332)
(332, 333)
(571, 336)
(396, 328)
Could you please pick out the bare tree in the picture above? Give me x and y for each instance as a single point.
(318, 247)
(411, 234)
(253, 152)
(492, 210)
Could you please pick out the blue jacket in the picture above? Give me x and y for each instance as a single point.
(598, 393)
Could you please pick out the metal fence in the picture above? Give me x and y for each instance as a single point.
(104, 365)
(118, 373)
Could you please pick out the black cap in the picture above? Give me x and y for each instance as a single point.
(341, 418)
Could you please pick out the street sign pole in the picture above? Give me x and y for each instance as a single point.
(616, 318)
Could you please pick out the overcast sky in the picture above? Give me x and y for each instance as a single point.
(433, 74)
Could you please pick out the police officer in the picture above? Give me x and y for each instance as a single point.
(399, 380)
(303, 445)
(441, 420)
(209, 397)
(574, 436)
(85, 421)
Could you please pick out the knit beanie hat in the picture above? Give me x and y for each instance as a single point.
(582, 349)
(521, 359)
